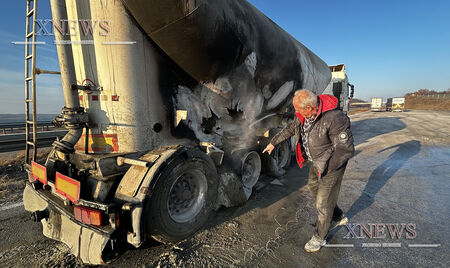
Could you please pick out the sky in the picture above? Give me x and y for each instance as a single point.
(390, 47)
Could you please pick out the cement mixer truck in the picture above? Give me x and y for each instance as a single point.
(167, 115)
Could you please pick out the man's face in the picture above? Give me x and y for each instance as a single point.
(306, 112)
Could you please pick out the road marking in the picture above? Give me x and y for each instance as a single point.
(424, 245)
(8, 206)
(339, 245)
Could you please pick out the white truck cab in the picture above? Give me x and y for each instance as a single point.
(340, 87)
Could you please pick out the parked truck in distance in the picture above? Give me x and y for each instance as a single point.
(376, 104)
(395, 104)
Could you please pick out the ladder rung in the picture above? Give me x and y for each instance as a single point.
(29, 57)
(28, 100)
(30, 13)
(30, 122)
(28, 78)
(30, 143)
(29, 35)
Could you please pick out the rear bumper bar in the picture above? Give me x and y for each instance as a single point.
(87, 242)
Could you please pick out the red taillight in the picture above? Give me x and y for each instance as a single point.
(88, 215)
(31, 177)
(77, 213)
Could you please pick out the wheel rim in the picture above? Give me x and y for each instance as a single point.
(251, 169)
(187, 196)
(282, 155)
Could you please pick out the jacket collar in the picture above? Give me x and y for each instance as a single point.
(326, 103)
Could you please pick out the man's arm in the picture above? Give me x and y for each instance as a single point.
(287, 132)
(342, 139)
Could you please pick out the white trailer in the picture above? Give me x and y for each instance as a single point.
(376, 104)
(398, 104)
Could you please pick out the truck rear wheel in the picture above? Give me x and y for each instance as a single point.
(182, 199)
(277, 163)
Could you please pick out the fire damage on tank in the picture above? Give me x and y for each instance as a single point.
(177, 126)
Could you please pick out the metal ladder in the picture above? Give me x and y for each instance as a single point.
(30, 82)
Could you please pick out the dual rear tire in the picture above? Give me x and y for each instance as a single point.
(183, 198)
(185, 192)
(277, 163)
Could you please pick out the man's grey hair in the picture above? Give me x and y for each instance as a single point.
(304, 98)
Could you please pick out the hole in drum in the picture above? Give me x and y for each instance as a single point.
(157, 127)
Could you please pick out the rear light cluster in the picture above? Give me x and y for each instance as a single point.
(88, 215)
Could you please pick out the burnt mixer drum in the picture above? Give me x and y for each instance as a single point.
(223, 62)
(241, 59)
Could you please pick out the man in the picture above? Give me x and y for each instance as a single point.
(323, 137)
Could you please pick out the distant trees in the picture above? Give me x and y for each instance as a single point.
(424, 91)
(354, 100)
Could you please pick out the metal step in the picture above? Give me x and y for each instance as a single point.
(30, 143)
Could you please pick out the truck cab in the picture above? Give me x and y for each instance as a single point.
(340, 87)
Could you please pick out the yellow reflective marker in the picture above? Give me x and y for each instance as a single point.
(68, 187)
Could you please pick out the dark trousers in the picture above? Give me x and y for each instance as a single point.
(326, 191)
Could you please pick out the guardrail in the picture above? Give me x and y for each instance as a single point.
(15, 142)
(44, 125)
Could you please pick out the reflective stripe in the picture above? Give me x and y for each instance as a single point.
(39, 172)
(99, 143)
(68, 187)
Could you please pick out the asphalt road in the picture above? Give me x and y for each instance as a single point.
(399, 175)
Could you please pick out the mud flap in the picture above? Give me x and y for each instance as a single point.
(136, 185)
(85, 243)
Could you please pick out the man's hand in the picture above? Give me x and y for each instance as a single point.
(269, 148)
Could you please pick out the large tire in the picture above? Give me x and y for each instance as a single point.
(277, 163)
(182, 199)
